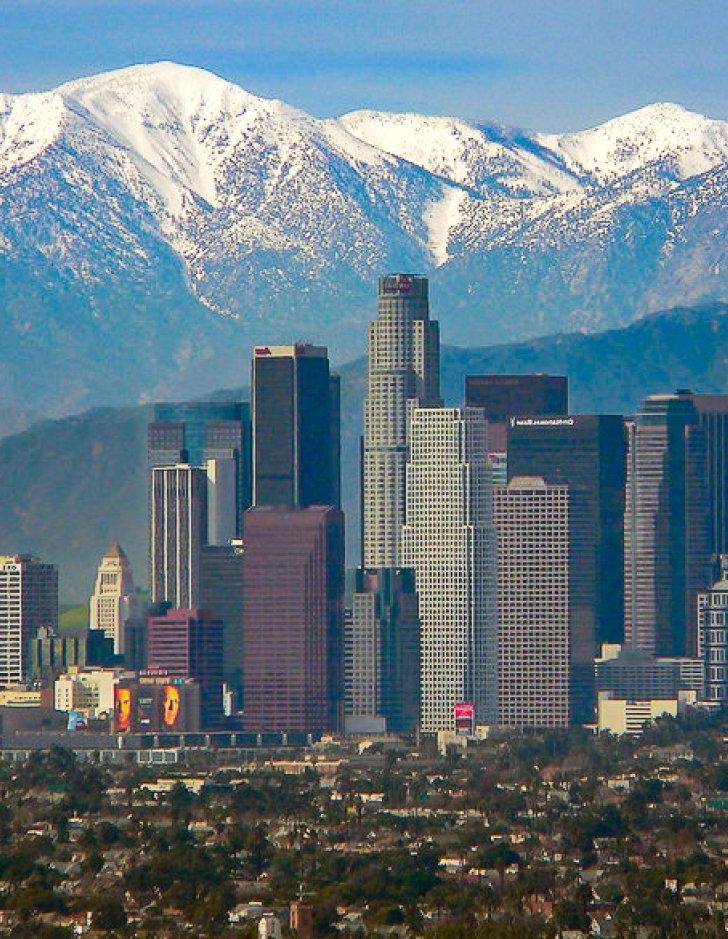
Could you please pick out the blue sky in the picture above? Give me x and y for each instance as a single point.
(544, 64)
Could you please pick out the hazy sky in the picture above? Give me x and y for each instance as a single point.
(545, 64)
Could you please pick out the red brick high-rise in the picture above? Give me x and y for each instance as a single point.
(292, 594)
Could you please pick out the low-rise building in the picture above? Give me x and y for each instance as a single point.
(89, 691)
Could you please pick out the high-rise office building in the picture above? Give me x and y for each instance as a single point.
(713, 635)
(382, 652)
(178, 524)
(28, 600)
(712, 413)
(506, 396)
(293, 580)
(114, 600)
(534, 629)
(188, 643)
(215, 435)
(585, 452)
(404, 364)
(449, 541)
(667, 532)
(295, 406)
(222, 594)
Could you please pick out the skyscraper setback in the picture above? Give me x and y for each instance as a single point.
(295, 402)
(404, 371)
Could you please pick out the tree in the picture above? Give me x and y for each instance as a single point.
(108, 914)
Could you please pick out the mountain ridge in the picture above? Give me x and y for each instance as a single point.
(73, 485)
(157, 221)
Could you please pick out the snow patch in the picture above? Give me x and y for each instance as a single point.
(441, 216)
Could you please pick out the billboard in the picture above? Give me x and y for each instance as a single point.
(144, 709)
(122, 709)
(464, 712)
(170, 706)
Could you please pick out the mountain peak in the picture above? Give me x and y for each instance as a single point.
(680, 142)
(151, 76)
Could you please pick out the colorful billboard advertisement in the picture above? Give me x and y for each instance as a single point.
(170, 706)
(122, 708)
(464, 718)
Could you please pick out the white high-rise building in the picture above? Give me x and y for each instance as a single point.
(222, 504)
(28, 600)
(449, 540)
(713, 635)
(404, 364)
(113, 602)
(178, 523)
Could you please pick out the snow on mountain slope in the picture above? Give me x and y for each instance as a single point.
(685, 143)
(134, 203)
(28, 124)
(181, 124)
(483, 157)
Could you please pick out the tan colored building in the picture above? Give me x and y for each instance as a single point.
(113, 602)
(532, 521)
(620, 716)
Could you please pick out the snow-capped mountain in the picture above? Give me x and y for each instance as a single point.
(156, 220)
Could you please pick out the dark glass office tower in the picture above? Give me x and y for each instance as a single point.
(201, 431)
(667, 526)
(505, 396)
(713, 419)
(295, 407)
(586, 452)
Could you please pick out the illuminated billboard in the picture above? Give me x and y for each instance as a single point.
(122, 708)
(464, 712)
(170, 706)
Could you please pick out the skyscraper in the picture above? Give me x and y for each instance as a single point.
(178, 524)
(114, 600)
(534, 630)
(222, 593)
(713, 635)
(28, 600)
(449, 541)
(188, 643)
(292, 594)
(506, 396)
(667, 532)
(585, 452)
(404, 363)
(215, 435)
(295, 402)
(713, 419)
(382, 652)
